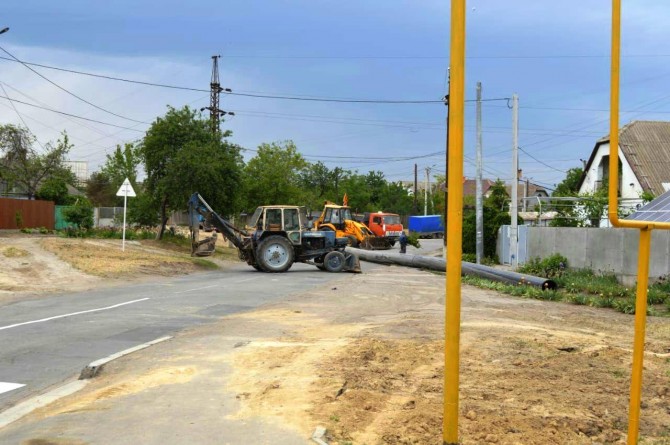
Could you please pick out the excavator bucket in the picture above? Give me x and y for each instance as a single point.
(375, 243)
(204, 247)
(352, 263)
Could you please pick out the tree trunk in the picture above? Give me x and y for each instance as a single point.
(163, 219)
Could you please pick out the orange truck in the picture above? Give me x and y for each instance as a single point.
(386, 225)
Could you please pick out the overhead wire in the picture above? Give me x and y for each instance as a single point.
(68, 91)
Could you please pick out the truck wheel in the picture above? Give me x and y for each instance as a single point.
(353, 242)
(275, 254)
(334, 261)
(392, 243)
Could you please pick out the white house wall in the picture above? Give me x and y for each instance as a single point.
(630, 195)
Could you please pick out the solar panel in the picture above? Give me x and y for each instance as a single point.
(658, 210)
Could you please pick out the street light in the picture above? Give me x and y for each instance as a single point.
(4, 30)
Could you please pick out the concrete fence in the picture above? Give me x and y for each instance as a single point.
(599, 249)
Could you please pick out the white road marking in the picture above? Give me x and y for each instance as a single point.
(6, 386)
(197, 288)
(41, 320)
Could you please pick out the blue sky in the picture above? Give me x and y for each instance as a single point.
(553, 54)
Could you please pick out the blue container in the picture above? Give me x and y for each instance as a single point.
(429, 224)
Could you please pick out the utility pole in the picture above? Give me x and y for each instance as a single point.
(425, 192)
(446, 166)
(525, 195)
(479, 204)
(215, 91)
(514, 211)
(416, 188)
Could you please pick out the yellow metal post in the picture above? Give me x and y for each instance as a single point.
(638, 346)
(452, 326)
(645, 232)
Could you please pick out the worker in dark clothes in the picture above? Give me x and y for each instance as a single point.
(403, 242)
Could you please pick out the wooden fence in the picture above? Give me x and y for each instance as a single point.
(27, 213)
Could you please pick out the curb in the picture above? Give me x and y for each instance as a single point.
(26, 407)
(93, 369)
(319, 435)
(17, 411)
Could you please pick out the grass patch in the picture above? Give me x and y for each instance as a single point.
(586, 288)
(99, 258)
(15, 252)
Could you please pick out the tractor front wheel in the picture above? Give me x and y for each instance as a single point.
(334, 261)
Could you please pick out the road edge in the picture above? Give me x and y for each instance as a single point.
(91, 370)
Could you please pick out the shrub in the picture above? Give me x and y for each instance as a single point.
(550, 267)
(43, 230)
(413, 240)
(80, 215)
(18, 219)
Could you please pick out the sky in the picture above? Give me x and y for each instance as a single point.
(554, 55)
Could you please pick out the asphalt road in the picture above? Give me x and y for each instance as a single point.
(48, 340)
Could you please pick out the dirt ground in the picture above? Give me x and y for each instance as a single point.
(365, 360)
(363, 357)
(40, 265)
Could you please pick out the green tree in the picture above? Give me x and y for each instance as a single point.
(100, 191)
(495, 214)
(567, 214)
(22, 166)
(274, 176)
(54, 187)
(181, 156)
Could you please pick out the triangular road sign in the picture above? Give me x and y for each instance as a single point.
(126, 189)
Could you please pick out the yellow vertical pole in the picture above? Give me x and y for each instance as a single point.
(638, 345)
(613, 183)
(452, 326)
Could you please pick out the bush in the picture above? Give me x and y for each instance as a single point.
(550, 267)
(18, 219)
(80, 215)
(413, 240)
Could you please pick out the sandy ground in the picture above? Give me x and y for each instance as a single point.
(37, 270)
(41, 265)
(363, 356)
(365, 360)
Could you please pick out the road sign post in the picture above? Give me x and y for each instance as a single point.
(126, 190)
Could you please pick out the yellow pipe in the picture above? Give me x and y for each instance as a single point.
(613, 182)
(645, 232)
(638, 346)
(452, 325)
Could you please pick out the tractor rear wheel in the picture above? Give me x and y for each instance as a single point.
(334, 261)
(275, 254)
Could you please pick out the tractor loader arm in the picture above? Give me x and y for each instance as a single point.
(197, 206)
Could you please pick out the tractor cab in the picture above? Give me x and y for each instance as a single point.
(289, 220)
(337, 216)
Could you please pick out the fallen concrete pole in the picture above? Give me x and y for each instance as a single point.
(439, 264)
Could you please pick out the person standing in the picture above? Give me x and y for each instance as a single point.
(403, 242)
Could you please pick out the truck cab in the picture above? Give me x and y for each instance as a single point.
(386, 225)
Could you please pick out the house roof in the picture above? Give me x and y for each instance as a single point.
(470, 186)
(646, 147)
(533, 190)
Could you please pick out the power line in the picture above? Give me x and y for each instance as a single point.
(71, 115)
(70, 92)
(232, 93)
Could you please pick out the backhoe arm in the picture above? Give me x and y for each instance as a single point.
(198, 206)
